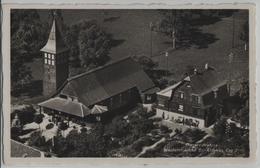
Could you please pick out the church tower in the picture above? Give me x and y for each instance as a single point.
(55, 60)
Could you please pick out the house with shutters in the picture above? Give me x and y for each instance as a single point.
(196, 100)
(95, 94)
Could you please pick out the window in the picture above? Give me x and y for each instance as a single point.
(180, 108)
(215, 94)
(63, 96)
(181, 94)
(195, 111)
(120, 98)
(111, 101)
(161, 104)
(49, 59)
(195, 99)
(148, 97)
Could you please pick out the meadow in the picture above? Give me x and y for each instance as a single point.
(132, 36)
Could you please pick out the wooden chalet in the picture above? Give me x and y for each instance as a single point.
(195, 101)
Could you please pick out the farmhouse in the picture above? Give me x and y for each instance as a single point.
(196, 100)
(94, 94)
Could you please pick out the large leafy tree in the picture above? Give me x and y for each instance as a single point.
(245, 34)
(88, 43)
(183, 26)
(28, 34)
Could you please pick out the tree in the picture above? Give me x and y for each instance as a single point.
(146, 62)
(61, 147)
(117, 128)
(38, 119)
(88, 43)
(77, 144)
(36, 139)
(245, 34)
(26, 115)
(219, 129)
(15, 133)
(97, 142)
(20, 73)
(63, 126)
(28, 34)
(140, 124)
(82, 144)
(182, 26)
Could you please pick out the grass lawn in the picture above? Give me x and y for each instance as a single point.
(131, 32)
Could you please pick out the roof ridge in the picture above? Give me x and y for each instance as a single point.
(98, 68)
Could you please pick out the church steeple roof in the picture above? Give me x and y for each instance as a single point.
(55, 43)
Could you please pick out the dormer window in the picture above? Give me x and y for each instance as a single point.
(181, 94)
(215, 92)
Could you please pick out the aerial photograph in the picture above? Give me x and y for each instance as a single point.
(137, 83)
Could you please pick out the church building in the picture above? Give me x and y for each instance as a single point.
(93, 94)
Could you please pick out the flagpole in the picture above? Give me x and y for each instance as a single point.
(233, 33)
(166, 55)
(231, 55)
(151, 38)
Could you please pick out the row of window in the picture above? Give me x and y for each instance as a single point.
(49, 59)
(180, 108)
(195, 111)
(49, 56)
(49, 62)
(194, 98)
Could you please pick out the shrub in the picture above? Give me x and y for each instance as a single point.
(164, 129)
(38, 118)
(37, 140)
(15, 133)
(26, 115)
(49, 126)
(84, 130)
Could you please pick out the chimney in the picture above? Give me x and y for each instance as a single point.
(206, 66)
(195, 71)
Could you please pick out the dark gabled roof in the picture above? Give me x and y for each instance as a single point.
(21, 150)
(55, 43)
(66, 106)
(99, 84)
(205, 81)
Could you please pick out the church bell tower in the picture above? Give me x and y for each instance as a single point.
(55, 60)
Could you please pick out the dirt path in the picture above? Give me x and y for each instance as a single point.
(147, 148)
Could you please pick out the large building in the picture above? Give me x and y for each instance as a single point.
(93, 94)
(195, 101)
